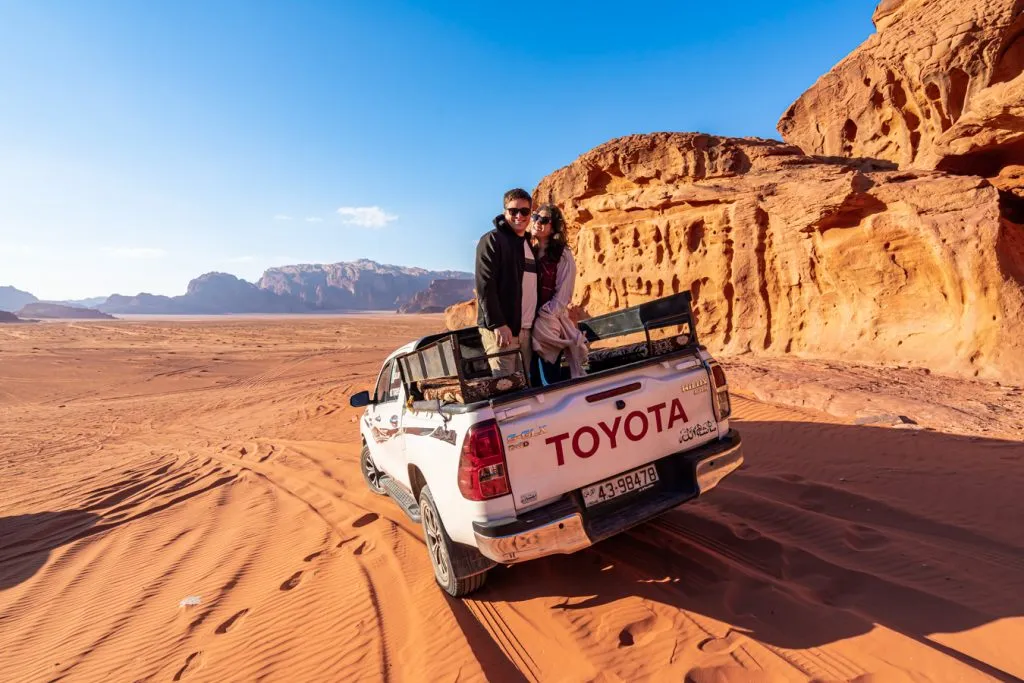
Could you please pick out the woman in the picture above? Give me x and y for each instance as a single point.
(553, 331)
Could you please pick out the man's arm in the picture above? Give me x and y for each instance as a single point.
(487, 281)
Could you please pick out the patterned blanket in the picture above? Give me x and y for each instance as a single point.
(448, 390)
(601, 359)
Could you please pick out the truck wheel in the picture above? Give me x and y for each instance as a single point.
(439, 547)
(370, 472)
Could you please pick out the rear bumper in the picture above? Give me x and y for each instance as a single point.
(567, 526)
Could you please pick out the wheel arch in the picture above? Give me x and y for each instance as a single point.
(416, 481)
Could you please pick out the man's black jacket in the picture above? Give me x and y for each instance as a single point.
(500, 262)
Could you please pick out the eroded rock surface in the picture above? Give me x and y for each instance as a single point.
(784, 253)
(939, 85)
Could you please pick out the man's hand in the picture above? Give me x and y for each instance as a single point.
(504, 336)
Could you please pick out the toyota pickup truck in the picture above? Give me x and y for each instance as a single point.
(499, 472)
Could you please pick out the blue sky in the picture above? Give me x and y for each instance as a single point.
(145, 143)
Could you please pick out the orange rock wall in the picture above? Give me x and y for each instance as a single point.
(938, 86)
(790, 254)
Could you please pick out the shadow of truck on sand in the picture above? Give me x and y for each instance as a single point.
(27, 540)
(826, 531)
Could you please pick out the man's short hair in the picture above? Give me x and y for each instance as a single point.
(517, 193)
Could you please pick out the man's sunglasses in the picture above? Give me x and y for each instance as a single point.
(543, 220)
(522, 212)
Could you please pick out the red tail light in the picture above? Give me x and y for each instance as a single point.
(483, 473)
(723, 408)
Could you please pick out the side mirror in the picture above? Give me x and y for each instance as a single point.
(359, 400)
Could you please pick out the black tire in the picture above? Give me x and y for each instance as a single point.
(439, 548)
(371, 475)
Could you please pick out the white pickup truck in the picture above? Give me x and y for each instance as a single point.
(500, 473)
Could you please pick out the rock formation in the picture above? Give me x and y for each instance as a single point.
(899, 240)
(8, 317)
(210, 294)
(359, 285)
(462, 314)
(42, 309)
(786, 253)
(11, 299)
(938, 86)
(438, 295)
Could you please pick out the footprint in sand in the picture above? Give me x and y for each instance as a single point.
(313, 556)
(368, 518)
(721, 646)
(639, 630)
(233, 621)
(746, 533)
(361, 549)
(292, 581)
(192, 663)
(344, 541)
(860, 537)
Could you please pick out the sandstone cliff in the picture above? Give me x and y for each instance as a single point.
(938, 86)
(786, 253)
(438, 295)
(898, 240)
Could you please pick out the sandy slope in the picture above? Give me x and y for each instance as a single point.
(146, 462)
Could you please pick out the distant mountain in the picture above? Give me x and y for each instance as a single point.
(42, 309)
(439, 295)
(8, 317)
(12, 299)
(358, 285)
(140, 303)
(212, 293)
(82, 303)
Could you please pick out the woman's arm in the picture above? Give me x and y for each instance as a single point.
(565, 278)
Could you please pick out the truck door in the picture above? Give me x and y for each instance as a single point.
(386, 425)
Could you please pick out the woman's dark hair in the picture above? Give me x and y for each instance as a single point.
(556, 243)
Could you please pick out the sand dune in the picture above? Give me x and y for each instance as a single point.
(147, 462)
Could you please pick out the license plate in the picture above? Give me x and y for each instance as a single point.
(628, 482)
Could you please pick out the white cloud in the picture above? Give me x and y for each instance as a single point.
(365, 216)
(134, 252)
(282, 217)
(314, 219)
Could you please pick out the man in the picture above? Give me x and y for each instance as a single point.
(506, 286)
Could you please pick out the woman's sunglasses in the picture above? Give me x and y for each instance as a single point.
(543, 220)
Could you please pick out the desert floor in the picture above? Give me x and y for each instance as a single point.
(146, 462)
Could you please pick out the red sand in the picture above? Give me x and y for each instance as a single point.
(145, 462)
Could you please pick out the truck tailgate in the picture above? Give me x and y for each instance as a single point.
(567, 438)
